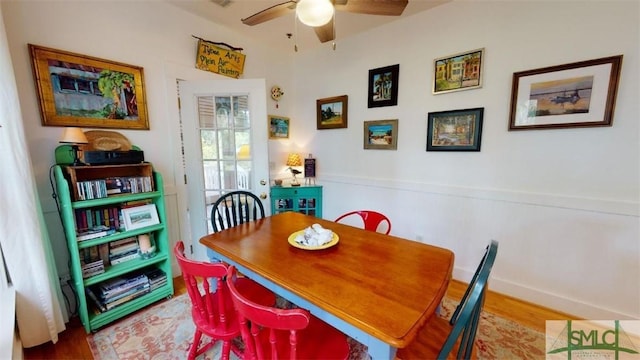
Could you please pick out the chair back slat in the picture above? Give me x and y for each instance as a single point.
(234, 208)
(467, 315)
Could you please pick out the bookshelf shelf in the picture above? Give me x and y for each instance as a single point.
(106, 211)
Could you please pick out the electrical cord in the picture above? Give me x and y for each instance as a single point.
(54, 195)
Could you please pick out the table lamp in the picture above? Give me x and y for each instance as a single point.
(74, 136)
(294, 160)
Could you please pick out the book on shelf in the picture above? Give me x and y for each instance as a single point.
(118, 285)
(132, 255)
(93, 233)
(127, 298)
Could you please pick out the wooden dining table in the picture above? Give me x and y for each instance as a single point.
(378, 289)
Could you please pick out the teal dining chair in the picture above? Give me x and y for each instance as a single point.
(439, 337)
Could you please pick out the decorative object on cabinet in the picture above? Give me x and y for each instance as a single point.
(381, 134)
(278, 127)
(461, 71)
(294, 160)
(455, 130)
(304, 199)
(80, 90)
(383, 86)
(74, 136)
(121, 270)
(309, 170)
(580, 94)
(332, 112)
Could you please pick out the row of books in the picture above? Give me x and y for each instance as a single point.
(101, 188)
(91, 260)
(124, 250)
(95, 259)
(89, 218)
(94, 233)
(117, 291)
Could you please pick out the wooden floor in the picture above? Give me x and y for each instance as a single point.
(72, 342)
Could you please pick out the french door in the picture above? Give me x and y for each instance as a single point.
(224, 135)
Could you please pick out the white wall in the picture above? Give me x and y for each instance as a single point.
(154, 35)
(563, 203)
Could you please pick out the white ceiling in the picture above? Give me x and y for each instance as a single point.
(274, 32)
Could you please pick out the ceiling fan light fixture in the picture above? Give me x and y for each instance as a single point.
(314, 12)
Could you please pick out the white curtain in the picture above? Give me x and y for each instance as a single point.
(23, 235)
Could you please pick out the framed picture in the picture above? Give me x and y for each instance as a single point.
(332, 112)
(140, 216)
(278, 127)
(383, 86)
(83, 91)
(457, 72)
(381, 134)
(455, 130)
(580, 94)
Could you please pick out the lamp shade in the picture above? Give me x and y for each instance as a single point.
(74, 135)
(294, 160)
(244, 152)
(314, 12)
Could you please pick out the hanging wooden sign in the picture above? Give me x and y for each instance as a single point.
(211, 57)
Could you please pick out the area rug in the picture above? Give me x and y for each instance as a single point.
(165, 330)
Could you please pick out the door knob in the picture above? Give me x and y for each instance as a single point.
(263, 196)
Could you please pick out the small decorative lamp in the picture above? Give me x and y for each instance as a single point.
(244, 152)
(294, 160)
(74, 136)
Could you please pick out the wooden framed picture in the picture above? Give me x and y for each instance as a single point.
(580, 94)
(332, 112)
(140, 216)
(84, 91)
(278, 127)
(462, 71)
(455, 130)
(383, 86)
(381, 134)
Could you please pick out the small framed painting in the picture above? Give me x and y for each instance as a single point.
(278, 127)
(455, 130)
(579, 94)
(140, 216)
(332, 112)
(457, 72)
(383, 86)
(381, 134)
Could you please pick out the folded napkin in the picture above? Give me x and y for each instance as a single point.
(314, 235)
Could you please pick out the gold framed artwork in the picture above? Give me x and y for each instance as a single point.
(332, 112)
(381, 134)
(580, 94)
(278, 127)
(84, 91)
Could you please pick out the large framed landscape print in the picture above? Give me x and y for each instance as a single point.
(580, 94)
(84, 91)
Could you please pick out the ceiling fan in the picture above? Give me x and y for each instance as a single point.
(323, 12)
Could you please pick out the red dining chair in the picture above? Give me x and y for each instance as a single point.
(372, 220)
(272, 333)
(211, 305)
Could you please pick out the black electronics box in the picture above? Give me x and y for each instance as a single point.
(113, 157)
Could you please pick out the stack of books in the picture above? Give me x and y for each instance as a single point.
(94, 232)
(117, 291)
(123, 250)
(157, 278)
(91, 261)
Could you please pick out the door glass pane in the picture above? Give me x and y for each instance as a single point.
(225, 138)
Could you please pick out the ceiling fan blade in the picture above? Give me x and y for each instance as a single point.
(325, 32)
(270, 13)
(373, 7)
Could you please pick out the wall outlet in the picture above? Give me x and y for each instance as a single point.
(64, 279)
